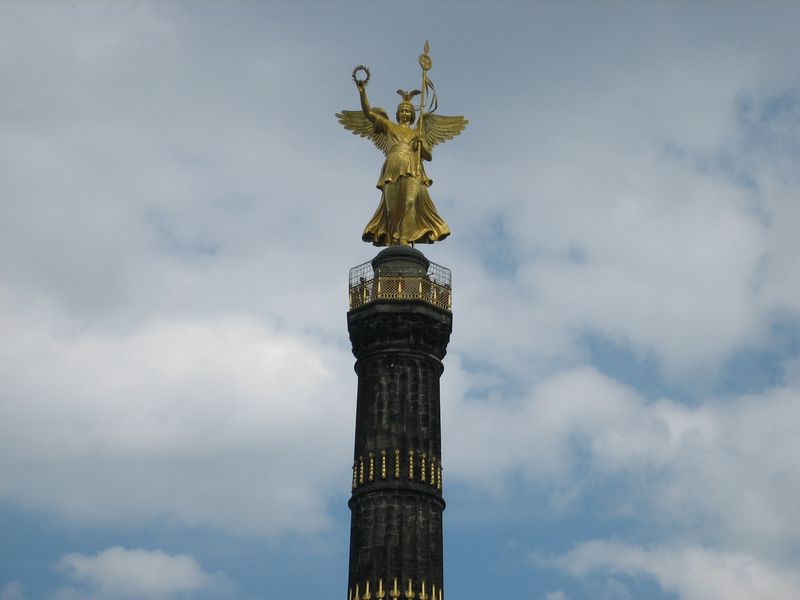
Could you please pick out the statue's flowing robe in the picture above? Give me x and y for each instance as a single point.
(406, 213)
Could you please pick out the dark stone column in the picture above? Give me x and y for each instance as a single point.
(396, 505)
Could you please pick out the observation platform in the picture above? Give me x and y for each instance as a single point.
(401, 273)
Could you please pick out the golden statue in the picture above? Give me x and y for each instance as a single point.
(406, 214)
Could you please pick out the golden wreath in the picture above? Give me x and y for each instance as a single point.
(356, 70)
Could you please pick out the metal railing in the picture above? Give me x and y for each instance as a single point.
(435, 287)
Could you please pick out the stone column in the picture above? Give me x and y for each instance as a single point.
(397, 504)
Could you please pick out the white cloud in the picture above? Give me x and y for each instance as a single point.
(642, 179)
(180, 209)
(141, 574)
(222, 422)
(13, 591)
(723, 470)
(670, 257)
(172, 344)
(673, 252)
(691, 572)
(781, 277)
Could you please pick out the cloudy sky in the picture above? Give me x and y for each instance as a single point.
(179, 210)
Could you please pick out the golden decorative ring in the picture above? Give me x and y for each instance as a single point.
(356, 79)
(425, 62)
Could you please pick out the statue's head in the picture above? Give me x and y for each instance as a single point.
(405, 113)
(405, 110)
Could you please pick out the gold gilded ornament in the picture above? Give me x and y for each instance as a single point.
(397, 463)
(410, 595)
(381, 594)
(422, 594)
(425, 60)
(364, 70)
(405, 214)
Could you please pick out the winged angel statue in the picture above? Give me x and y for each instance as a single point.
(406, 214)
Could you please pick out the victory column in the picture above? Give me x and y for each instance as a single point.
(399, 323)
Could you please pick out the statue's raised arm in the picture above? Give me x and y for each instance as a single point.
(406, 214)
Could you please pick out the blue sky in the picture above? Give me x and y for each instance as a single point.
(179, 210)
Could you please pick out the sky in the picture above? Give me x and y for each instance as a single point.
(179, 209)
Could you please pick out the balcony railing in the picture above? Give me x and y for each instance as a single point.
(435, 287)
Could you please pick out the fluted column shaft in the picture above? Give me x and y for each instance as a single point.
(397, 504)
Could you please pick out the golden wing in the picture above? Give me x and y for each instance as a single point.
(440, 128)
(359, 124)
